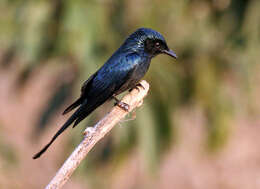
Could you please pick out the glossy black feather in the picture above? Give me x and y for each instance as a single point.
(73, 106)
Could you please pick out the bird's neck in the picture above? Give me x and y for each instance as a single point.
(133, 46)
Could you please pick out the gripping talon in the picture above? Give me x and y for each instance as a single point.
(122, 105)
(137, 87)
(140, 85)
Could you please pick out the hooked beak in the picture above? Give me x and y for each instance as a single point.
(170, 53)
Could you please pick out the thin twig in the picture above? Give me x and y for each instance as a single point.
(93, 134)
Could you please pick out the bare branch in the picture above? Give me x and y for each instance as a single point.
(93, 134)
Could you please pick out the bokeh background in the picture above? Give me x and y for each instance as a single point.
(199, 127)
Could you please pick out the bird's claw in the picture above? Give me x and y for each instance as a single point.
(137, 87)
(123, 105)
(140, 85)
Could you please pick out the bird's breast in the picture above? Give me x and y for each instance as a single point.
(142, 68)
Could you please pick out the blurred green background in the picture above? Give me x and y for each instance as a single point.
(198, 126)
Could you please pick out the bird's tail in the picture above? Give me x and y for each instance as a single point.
(83, 111)
(74, 117)
(74, 105)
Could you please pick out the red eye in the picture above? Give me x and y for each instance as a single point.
(157, 45)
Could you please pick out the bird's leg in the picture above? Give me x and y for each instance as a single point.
(120, 104)
(136, 87)
(140, 85)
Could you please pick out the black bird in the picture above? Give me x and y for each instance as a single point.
(122, 71)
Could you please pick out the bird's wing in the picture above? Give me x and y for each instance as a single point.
(84, 90)
(106, 82)
(112, 75)
(108, 78)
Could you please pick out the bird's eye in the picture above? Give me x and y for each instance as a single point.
(157, 44)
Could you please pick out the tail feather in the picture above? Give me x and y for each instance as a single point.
(80, 118)
(74, 105)
(63, 128)
(88, 110)
(82, 112)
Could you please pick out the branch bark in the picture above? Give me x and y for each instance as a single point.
(93, 134)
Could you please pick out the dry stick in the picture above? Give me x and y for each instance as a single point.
(93, 134)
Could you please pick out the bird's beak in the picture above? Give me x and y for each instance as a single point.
(170, 53)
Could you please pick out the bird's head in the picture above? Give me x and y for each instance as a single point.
(150, 41)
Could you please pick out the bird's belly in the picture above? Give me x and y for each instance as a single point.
(136, 76)
(128, 85)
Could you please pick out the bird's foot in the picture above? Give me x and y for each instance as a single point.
(140, 85)
(137, 87)
(122, 105)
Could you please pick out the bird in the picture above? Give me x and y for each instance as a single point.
(121, 72)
